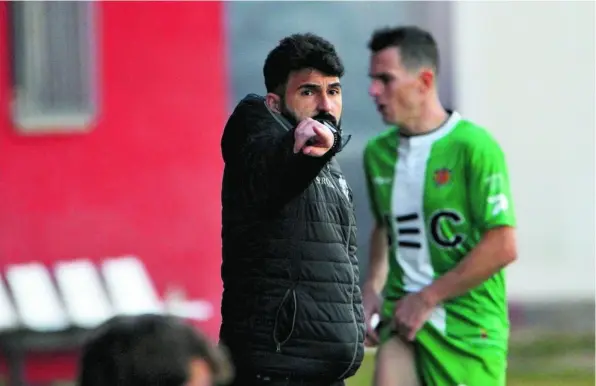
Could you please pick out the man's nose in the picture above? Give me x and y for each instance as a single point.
(374, 89)
(325, 104)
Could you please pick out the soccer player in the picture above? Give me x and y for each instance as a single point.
(439, 191)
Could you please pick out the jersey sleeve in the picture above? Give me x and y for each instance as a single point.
(489, 187)
(370, 187)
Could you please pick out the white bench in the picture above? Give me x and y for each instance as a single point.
(84, 297)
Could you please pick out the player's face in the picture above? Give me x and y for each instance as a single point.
(397, 92)
(310, 94)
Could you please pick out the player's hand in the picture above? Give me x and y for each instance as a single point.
(320, 136)
(411, 312)
(372, 306)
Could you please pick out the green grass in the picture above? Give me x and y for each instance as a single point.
(552, 345)
(562, 377)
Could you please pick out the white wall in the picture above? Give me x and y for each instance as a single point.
(526, 71)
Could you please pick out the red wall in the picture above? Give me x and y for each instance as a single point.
(146, 180)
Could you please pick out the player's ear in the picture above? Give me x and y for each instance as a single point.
(427, 79)
(199, 373)
(273, 101)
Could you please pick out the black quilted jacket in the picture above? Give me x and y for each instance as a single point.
(291, 301)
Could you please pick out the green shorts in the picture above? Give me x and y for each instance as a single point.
(447, 361)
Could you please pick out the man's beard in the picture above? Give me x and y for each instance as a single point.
(321, 117)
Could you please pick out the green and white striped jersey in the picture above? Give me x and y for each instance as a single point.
(436, 194)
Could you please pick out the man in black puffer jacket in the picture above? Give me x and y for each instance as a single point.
(292, 309)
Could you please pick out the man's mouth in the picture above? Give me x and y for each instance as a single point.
(326, 117)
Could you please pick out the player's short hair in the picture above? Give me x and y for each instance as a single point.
(417, 47)
(147, 350)
(298, 52)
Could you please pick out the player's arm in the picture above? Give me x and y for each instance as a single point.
(490, 196)
(378, 264)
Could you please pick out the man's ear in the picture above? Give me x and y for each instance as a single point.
(427, 79)
(273, 102)
(199, 373)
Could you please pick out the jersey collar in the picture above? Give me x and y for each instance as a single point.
(427, 139)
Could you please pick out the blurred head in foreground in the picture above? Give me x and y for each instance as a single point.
(151, 350)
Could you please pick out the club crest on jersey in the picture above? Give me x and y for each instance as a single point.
(442, 176)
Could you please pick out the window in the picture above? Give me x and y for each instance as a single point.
(54, 75)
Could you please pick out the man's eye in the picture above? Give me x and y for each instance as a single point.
(334, 92)
(307, 92)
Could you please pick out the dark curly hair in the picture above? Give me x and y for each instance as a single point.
(297, 52)
(417, 47)
(147, 350)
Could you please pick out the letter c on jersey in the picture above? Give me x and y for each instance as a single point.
(436, 230)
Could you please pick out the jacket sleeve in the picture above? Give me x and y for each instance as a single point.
(255, 145)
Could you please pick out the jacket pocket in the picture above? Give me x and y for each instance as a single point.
(285, 319)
